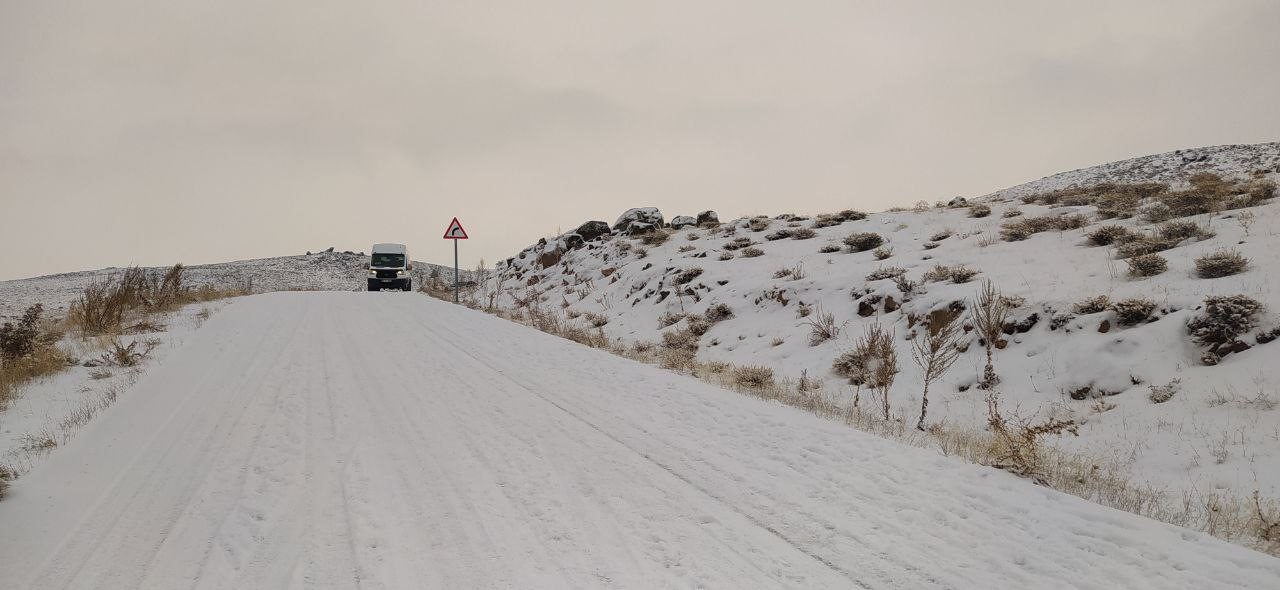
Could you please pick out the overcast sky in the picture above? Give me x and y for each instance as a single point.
(155, 131)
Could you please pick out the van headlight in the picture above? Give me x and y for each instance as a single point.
(373, 273)
(399, 273)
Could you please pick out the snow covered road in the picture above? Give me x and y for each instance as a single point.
(393, 441)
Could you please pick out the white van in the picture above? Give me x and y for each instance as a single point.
(389, 267)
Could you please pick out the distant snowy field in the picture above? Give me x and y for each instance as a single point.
(321, 271)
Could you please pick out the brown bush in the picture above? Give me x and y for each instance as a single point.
(1224, 320)
(755, 377)
(861, 242)
(886, 272)
(752, 252)
(979, 210)
(1111, 234)
(829, 249)
(1147, 265)
(1130, 312)
(803, 233)
(1092, 305)
(1222, 263)
(718, 312)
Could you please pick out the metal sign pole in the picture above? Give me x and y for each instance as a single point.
(455, 271)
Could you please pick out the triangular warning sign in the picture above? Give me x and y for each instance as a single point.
(455, 231)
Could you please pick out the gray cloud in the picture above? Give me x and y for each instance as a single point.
(149, 131)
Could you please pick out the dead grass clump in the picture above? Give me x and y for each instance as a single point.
(988, 314)
(886, 272)
(17, 341)
(937, 274)
(669, 318)
(1177, 231)
(1147, 265)
(882, 253)
(1162, 393)
(752, 252)
(596, 320)
(1111, 234)
(822, 326)
(1011, 212)
(829, 249)
(755, 377)
(861, 242)
(656, 237)
(1222, 263)
(803, 233)
(1093, 305)
(979, 210)
(1024, 228)
(962, 274)
(687, 276)
(718, 312)
(1131, 312)
(758, 224)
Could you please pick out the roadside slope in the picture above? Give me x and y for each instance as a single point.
(389, 440)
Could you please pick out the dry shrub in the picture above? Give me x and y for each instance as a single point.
(726, 256)
(26, 353)
(886, 272)
(1224, 320)
(596, 320)
(822, 326)
(937, 274)
(752, 252)
(1131, 312)
(829, 249)
(1011, 212)
(718, 312)
(803, 233)
(854, 215)
(1162, 393)
(758, 224)
(979, 210)
(1024, 228)
(1222, 263)
(781, 234)
(755, 377)
(1111, 234)
(687, 276)
(1016, 442)
(861, 242)
(669, 318)
(882, 253)
(1177, 231)
(988, 314)
(942, 235)
(687, 248)
(1147, 265)
(17, 341)
(698, 326)
(962, 274)
(119, 355)
(656, 237)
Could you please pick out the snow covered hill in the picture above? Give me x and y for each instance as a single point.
(320, 271)
(1172, 166)
(1086, 339)
(388, 440)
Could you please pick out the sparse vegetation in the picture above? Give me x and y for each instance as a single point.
(882, 253)
(755, 377)
(1017, 445)
(822, 326)
(1111, 234)
(979, 210)
(934, 352)
(988, 314)
(718, 312)
(752, 252)
(872, 363)
(803, 233)
(26, 353)
(829, 249)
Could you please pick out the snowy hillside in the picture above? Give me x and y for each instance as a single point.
(1128, 372)
(1173, 166)
(320, 271)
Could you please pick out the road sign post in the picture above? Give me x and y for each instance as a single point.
(455, 233)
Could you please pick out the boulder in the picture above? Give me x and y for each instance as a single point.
(592, 230)
(680, 221)
(640, 228)
(707, 217)
(573, 241)
(649, 215)
(958, 202)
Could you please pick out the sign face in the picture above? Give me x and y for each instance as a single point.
(455, 231)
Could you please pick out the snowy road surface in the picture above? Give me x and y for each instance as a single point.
(392, 441)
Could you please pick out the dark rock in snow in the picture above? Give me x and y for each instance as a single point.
(592, 230)
(708, 217)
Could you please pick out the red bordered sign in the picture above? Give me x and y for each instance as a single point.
(455, 231)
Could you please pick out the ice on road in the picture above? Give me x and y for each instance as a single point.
(361, 440)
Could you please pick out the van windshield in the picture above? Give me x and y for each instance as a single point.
(387, 260)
